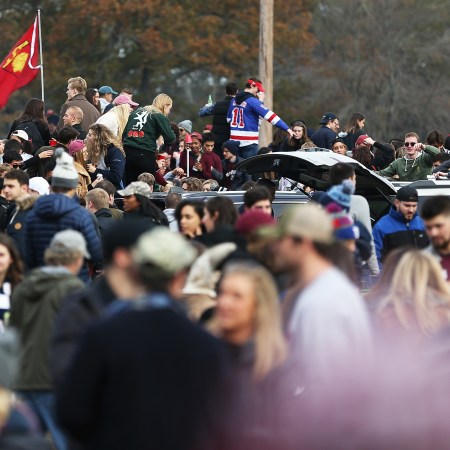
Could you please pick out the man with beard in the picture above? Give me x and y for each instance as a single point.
(327, 322)
(436, 215)
(402, 226)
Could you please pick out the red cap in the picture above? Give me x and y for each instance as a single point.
(251, 220)
(361, 139)
(257, 84)
(196, 135)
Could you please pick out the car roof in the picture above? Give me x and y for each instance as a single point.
(311, 168)
(426, 188)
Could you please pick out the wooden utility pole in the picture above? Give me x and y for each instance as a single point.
(266, 65)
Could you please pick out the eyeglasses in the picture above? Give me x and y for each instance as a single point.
(410, 144)
(17, 166)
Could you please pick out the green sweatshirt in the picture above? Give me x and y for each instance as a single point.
(411, 169)
(144, 127)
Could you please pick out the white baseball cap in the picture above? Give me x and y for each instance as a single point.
(39, 184)
(20, 133)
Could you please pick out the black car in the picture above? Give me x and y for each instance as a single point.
(282, 199)
(311, 169)
(307, 168)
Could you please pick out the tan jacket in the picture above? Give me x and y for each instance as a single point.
(84, 180)
(90, 112)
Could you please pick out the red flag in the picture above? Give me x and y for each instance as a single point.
(20, 67)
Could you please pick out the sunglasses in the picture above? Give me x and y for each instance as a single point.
(17, 166)
(410, 144)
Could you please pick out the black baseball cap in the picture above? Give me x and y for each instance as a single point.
(327, 117)
(407, 194)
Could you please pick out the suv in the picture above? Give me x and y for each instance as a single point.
(308, 168)
(426, 188)
(311, 169)
(282, 199)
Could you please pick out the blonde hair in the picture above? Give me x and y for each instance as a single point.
(5, 168)
(147, 178)
(308, 144)
(167, 187)
(98, 197)
(79, 158)
(270, 345)
(77, 83)
(412, 134)
(418, 286)
(103, 138)
(123, 113)
(159, 102)
(59, 258)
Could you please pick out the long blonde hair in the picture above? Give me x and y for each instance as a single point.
(103, 138)
(159, 103)
(122, 113)
(418, 285)
(270, 344)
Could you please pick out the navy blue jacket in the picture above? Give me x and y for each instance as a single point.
(323, 137)
(53, 213)
(393, 231)
(115, 162)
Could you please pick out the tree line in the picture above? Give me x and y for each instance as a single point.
(386, 59)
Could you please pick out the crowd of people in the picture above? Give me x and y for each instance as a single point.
(202, 325)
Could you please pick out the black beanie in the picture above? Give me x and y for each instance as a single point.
(231, 146)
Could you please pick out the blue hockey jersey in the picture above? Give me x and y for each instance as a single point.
(243, 116)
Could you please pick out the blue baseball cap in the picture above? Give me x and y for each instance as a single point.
(107, 90)
(327, 117)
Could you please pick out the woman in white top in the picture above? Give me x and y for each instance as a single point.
(116, 118)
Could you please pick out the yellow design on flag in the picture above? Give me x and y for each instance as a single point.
(17, 58)
(20, 66)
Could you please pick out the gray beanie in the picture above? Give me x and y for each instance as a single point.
(64, 174)
(186, 125)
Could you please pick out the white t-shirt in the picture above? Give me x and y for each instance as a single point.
(110, 121)
(329, 325)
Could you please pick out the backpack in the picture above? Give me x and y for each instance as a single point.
(34, 136)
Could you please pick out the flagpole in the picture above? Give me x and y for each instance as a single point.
(41, 57)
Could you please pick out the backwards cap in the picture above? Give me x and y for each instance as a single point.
(257, 84)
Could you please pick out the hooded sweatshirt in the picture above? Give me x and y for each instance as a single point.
(34, 305)
(412, 169)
